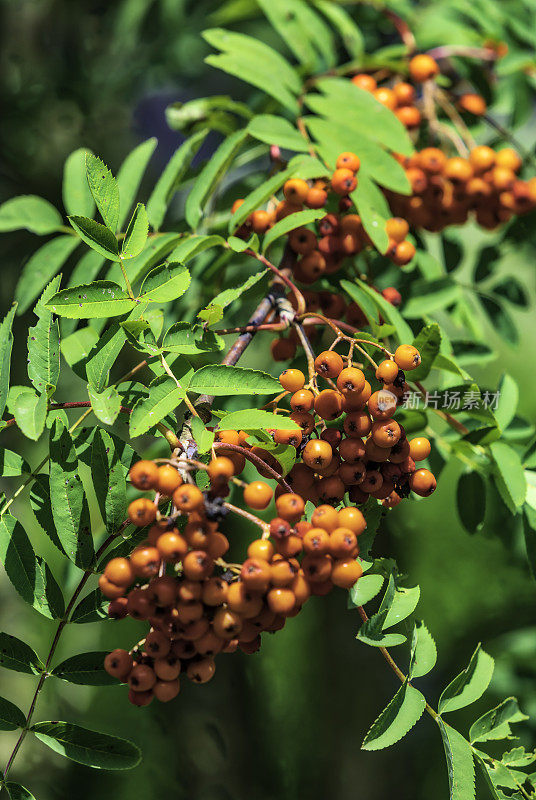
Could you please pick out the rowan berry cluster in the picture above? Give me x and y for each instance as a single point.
(446, 190)
(350, 442)
(197, 604)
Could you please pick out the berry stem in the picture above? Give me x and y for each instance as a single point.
(247, 515)
(254, 460)
(45, 673)
(394, 666)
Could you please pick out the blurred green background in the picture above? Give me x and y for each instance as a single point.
(287, 722)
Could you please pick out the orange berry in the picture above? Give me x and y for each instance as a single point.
(325, 516)
(290, 507)
(168, 480)
(507, 157)
(142, 512)
(144, 475)
(292, 380)
(419, 448)
(171, 546)
(351, 379)
(345, 573)
(387, 371)
(145, 561)
(407, 357)
(404, 93)
(343, 181)
(352, 518)
(328, 364)
(348, 161)
(220, 470)
(119, 571)
(365, 82)
(261, 548)
(403, 253)
(188, 498)
(473, 104)
(118, 664)
(258, 495)
(386, 97)
(296, 190)
(397, 229)
(110, 590)
(422, 482)
(260, 221)
(423, 68)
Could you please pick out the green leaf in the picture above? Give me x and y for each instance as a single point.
(194, 245)
(171, 178)
(164, 397)
(304, 32)
(399, 603)
(204, 438)
(31, 213)
(253, 419)
(423, 652)
(495, 724)
(428, 296)
(29, 575)
(396, 720)
(210, 176)
(471, 501)
(12, 464)
(92, 608)
(41, 505)
(191, 340)
(98, 750)
(341, 21)
(427, 342)
(69, 505)
(103, 355)
(44, 344)
(255, 62)
(6, 345)
(529, 532)
(373, 210)
(11, 717)
(85, 669)
(509, 475)
(18, 792)
(104, 189)
(362, 113)
(470, 684)
(18, 656)
(277, 130)
(228, 296)
(164, 283)
(105, 404)
(130, 174)
(460, 765)
(221, 380)
(99, 299)
(500, 319)
(366, 588)
(508, 393)
(97, 236)
(108, 474)
(29, 410)
(360, 291)
(371, 632)
(41, 268)
(290, 223)
(136, 233)
(77, 198)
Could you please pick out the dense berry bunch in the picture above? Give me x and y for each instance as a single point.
(350, 441)
(196, 603)
(446, 191)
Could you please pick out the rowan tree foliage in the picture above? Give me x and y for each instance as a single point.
(357, 214)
